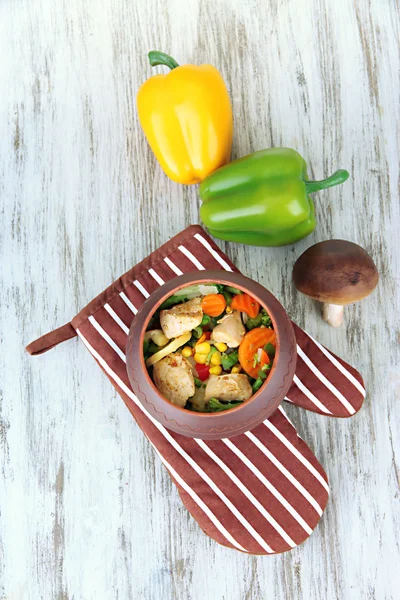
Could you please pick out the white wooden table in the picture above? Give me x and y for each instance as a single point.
(87, 510)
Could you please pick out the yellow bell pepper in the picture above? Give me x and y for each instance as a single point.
(186, 116)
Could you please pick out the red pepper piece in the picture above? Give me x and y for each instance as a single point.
(203, 371)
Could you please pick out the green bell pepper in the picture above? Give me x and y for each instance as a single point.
(262, 199)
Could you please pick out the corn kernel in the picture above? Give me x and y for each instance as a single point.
(228, 310)
(187, 351)
(203, 348)
(201, 339)
(200, 358)
(216, 370)
(236, 369)
(221, 346)
(216, 358)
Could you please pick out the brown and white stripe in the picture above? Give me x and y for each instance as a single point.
(262, 492)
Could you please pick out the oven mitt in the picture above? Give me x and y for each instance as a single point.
(262, 492)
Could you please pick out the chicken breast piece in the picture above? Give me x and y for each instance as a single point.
(229, 330)
(181, 318)
(173, 377)
(233, 386)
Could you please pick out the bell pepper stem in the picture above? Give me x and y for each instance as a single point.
(335, 179)
(160, 58)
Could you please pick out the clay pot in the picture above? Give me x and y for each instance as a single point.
(212, 426)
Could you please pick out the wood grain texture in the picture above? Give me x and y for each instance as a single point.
(87, 511)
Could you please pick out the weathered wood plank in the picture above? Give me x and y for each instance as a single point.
(87, 512)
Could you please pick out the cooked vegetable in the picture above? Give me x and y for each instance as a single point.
(228, 297)
(203, 371)
(207, 354)
(262, 319)
(168, 349)
(262, 358)
(200, 289)
(257, 383)
(265, 318)
(215, 358)
(213, 305)
(205, 320)
(252, 341)
(198, 332)
(172, 301)
(253, 323)
(233, 290)
(229, 360)
(152, 348)
(221, 346)
(199, 340)
(215, 405)
(192, 342)
(203, 348)
(157, 336)
(216, 370)
(270, 350)
(187, 351)
(188, 293)
(203, 357)
(247, 304)
(262, 375)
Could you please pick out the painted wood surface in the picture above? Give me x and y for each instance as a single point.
(87, 510)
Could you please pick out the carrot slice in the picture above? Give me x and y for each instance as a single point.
(247, 304)
(252, 341)
(213, 305)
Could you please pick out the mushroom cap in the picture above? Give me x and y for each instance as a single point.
(335, 272)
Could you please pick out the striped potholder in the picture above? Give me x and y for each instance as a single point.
(262, 492)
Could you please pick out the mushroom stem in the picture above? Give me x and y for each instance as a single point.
(333, 314)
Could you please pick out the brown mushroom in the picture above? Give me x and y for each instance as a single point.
(335, 272)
